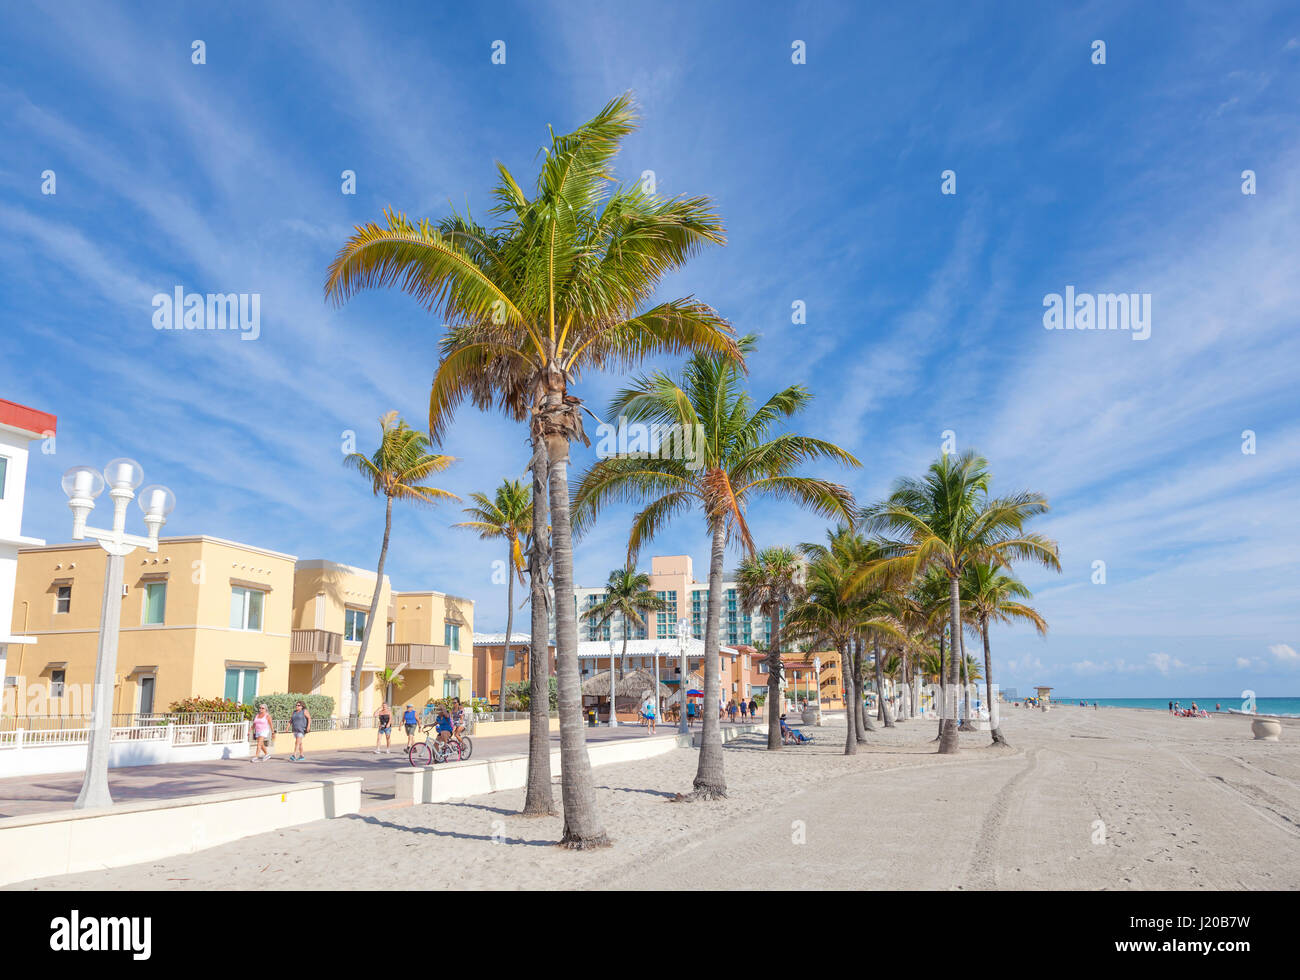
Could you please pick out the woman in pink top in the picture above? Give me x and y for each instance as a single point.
(262, 733)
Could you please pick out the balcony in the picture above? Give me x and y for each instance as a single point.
(315, 647)
(419, 656)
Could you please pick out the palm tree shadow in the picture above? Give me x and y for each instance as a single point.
(435, 832)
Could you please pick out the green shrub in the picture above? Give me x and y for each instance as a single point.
(519, 699)
(280, 706)
(206, 706)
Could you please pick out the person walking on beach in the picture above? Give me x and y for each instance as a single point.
(744, 710)
(411, 722)
(385, 718)
(731, 711)
(300, 725)
(650, 716)
(753, 710)
(261, 734)
(1171, 707)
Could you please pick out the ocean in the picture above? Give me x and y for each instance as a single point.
(1264, 706)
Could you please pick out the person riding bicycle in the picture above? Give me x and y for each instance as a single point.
(459, 719)
(444, 726)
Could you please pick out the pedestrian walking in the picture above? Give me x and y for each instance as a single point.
(261, 734)
(300, 725)
(384, 716)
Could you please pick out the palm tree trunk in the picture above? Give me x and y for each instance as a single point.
(943, 683)
(880, 685)
(354, 712)
(772, 707)
(539, 799)
(994, 725)
(710, 783)
(965, 725)
(510, 621)
(948, 738)
(582, 826)
(861, 722)
(850, 692)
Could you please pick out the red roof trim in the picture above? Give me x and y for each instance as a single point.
(27, 419)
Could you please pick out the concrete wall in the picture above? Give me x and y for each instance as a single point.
(36, 760)
(69, 841)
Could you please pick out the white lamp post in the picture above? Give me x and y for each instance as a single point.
(83, 484)
(613, 691)
(683, 634)
(658, 704)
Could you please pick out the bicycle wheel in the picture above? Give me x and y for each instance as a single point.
(466, 747)
(420, 755)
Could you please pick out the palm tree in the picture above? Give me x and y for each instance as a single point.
(396, 471)
(946, 520)
(387, 679)
(508, 515)
(831, 610)
(771, 581)
(627, 594)
(559, 286)
(736, 457)
(992, 596)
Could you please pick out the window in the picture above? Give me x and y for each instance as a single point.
(392, 631)
(155, 601)
(354, 625)
(57, 680)
(63, 599)
(146, 694)
(246, 609)
(450, 688)
(241, 684)
(451, 635)
(4, 469)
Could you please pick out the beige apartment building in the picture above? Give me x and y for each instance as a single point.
(200, 617)
(205, 617)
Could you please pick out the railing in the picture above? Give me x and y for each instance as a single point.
(32, 723)
(207, 733)
(419, 656)
(315, 646)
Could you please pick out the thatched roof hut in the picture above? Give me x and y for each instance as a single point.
(638, 684)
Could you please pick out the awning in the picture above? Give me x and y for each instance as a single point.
(150, 669)
(244, 583)
(56, 665)
(454, 677)
(246, 664)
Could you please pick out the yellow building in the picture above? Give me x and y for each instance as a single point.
(433, 646)
(209, 618)
(202, 617)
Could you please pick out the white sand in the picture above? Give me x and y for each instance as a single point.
(1186, 803)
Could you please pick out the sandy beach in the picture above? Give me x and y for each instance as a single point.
(1084, 799)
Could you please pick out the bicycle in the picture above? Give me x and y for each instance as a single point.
(432, 750)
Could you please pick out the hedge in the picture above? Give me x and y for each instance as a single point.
(281, 705)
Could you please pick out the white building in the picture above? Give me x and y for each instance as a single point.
(19, 426)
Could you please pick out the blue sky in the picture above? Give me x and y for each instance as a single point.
(924, 310)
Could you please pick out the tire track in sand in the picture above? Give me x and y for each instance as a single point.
(982, 873)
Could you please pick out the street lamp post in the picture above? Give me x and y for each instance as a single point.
(83, 484)
(683, 634)
(613, 691)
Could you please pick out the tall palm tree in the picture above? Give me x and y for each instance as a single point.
(627, 594)
(770, 581)
(508, 515)
(559, 286)
(737, 457)
(396, 471)
(831, 610)
(992, 595)
(947, 520)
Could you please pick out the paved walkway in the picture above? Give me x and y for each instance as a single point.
(40, 794)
